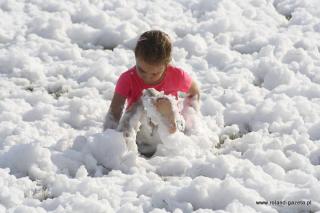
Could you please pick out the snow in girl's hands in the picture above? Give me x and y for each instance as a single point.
(163, 125)
(177, 143)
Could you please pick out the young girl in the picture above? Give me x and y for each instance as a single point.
(152, 70)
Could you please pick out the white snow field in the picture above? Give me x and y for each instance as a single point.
(257, 138)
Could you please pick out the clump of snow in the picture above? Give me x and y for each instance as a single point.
(28, 160)
(14, 190)
(110, 150)
(313, 132)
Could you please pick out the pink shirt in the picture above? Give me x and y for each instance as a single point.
(130, 85)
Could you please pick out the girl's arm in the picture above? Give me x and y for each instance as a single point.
(115, 111)
(194, 90)
(193, 96)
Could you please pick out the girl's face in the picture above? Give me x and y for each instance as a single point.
(150, 73)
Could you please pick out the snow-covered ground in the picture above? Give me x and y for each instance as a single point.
(257, 138)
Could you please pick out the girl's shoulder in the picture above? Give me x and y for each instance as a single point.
(174, 68)
(129, 72)
(181, 78)
(176, 71)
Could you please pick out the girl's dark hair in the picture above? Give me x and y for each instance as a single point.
(154, 47)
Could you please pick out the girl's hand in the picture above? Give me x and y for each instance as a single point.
(164, 107)
(114, 113)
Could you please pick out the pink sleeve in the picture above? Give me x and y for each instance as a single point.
(185, 82)
(123, 85)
